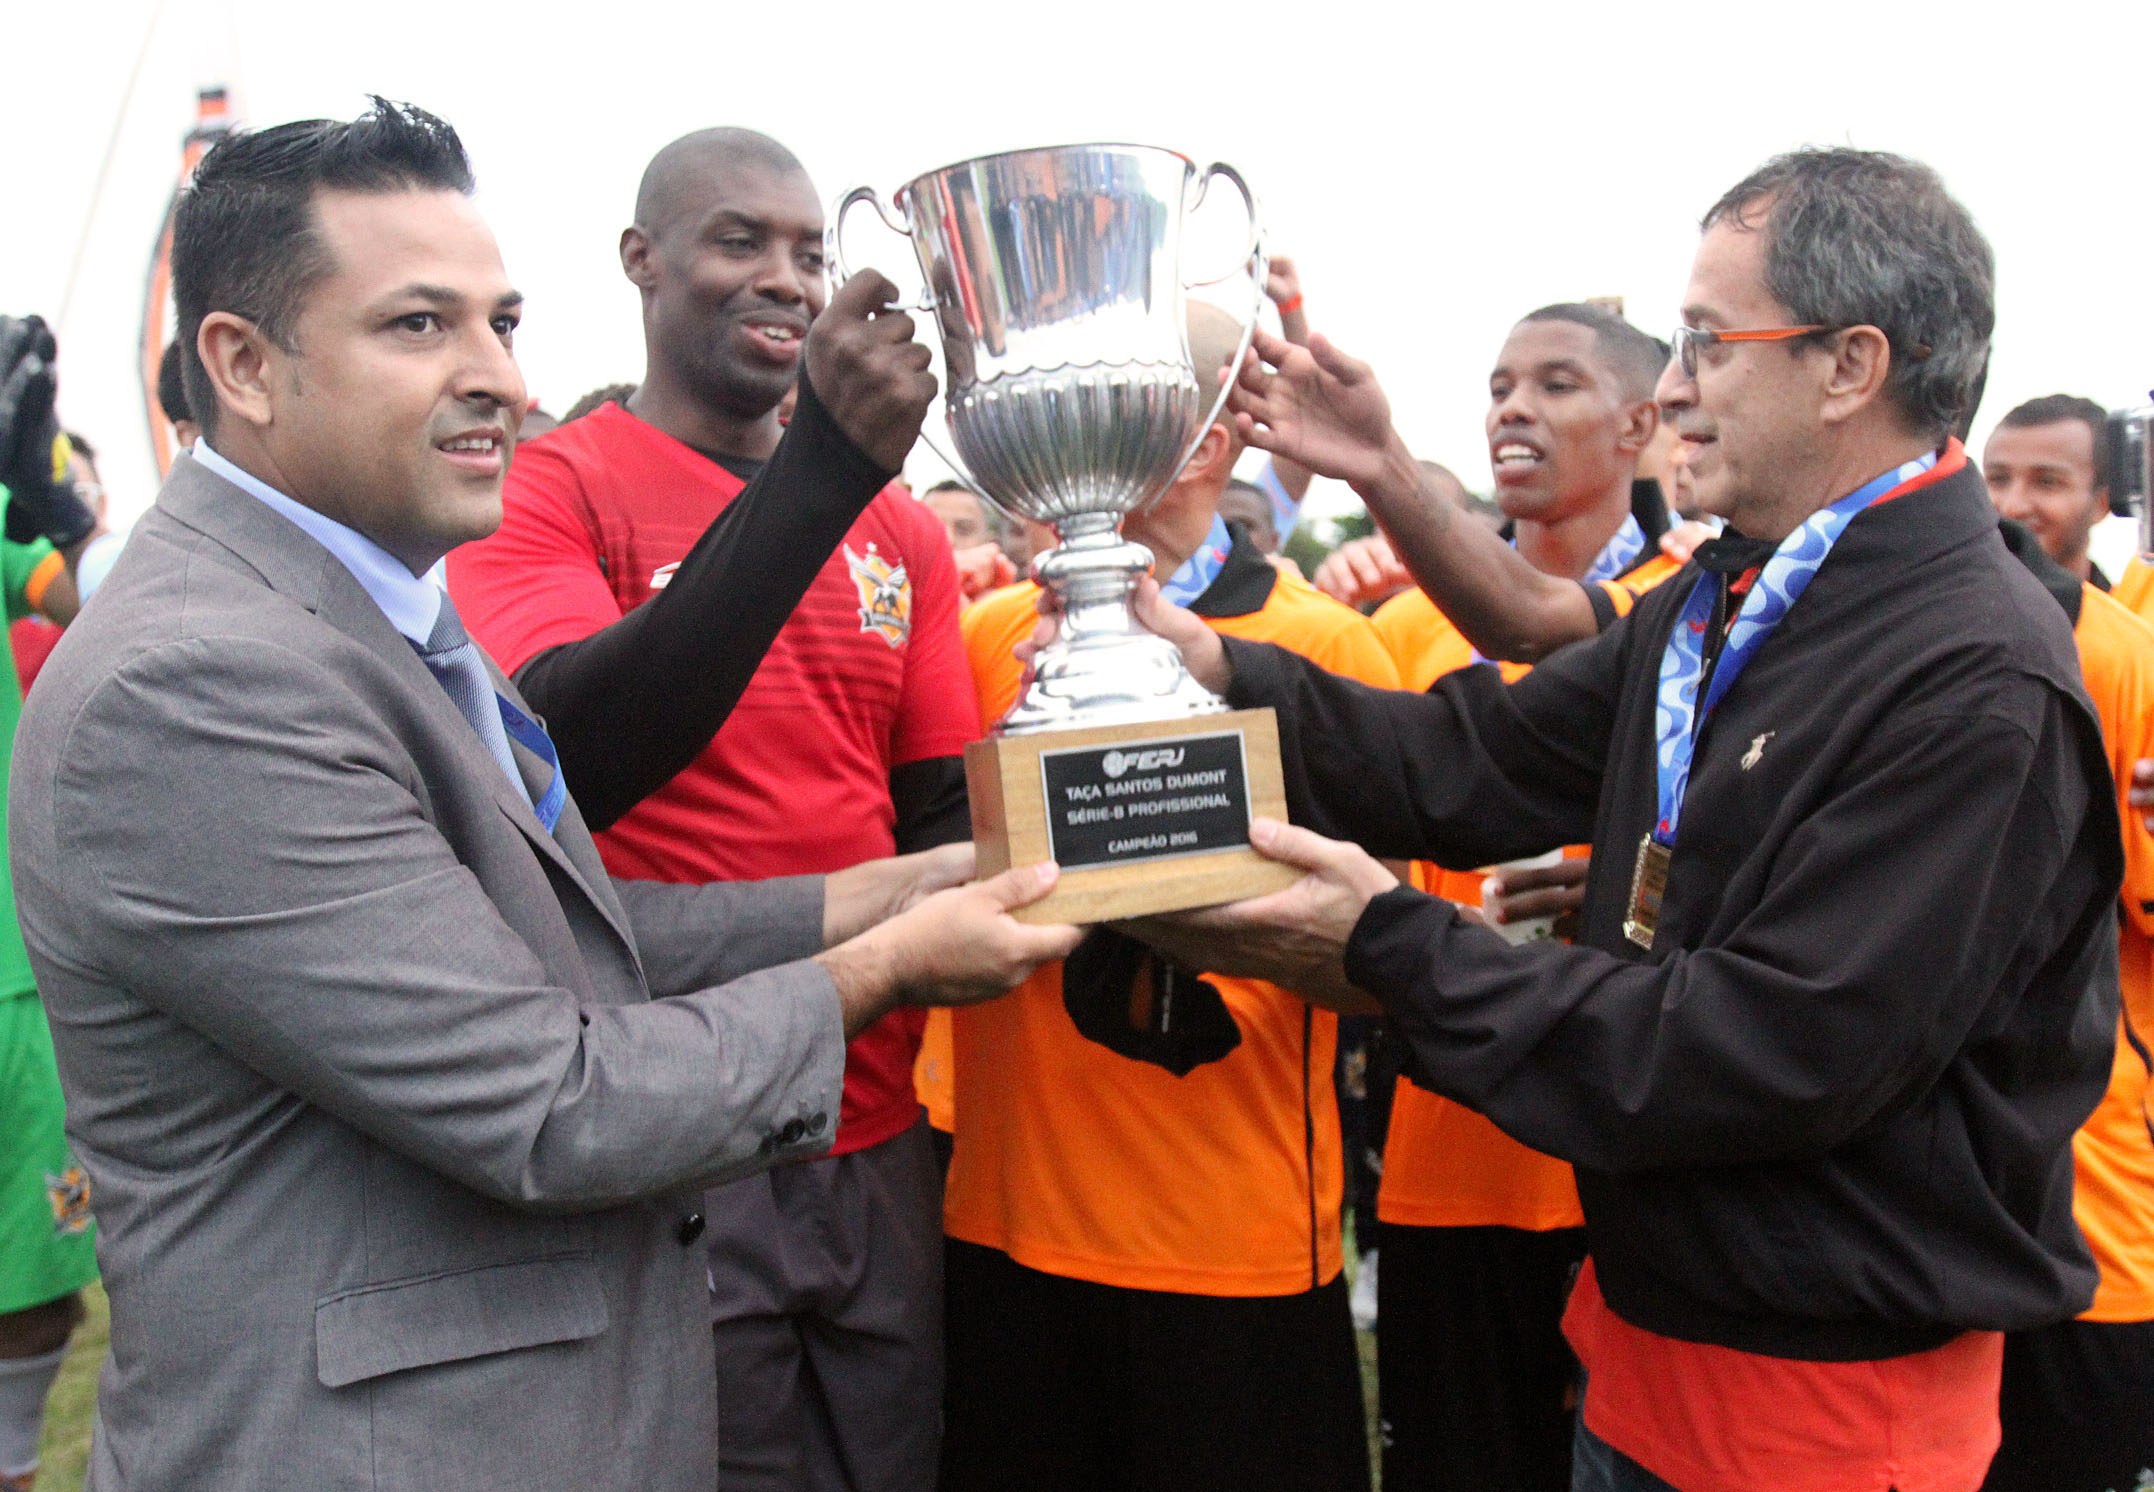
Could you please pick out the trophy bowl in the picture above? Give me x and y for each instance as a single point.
(1054, 276)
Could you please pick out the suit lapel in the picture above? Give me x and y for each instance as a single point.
(293, 564)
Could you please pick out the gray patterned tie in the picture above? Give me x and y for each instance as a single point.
(454, 659)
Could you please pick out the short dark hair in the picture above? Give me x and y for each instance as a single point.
(1868, 238)
(1636, 358)
(2052, 409)
(605, 393)
(996, 520)
(171, 385)
(245, 238)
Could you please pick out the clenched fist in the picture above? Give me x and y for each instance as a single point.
(868, 371)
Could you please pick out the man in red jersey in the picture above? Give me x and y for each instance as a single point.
(844, 744)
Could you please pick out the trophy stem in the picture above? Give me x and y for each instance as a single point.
(1104, 669)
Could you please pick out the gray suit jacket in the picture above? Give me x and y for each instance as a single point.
(396, 1109)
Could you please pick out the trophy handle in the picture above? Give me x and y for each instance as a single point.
(834, 249)
(925, 305)
(1256, 260)
(1255, 245)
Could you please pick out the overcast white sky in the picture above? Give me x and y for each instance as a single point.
(1436, 171)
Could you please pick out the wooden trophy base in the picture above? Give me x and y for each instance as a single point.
(1144, 818)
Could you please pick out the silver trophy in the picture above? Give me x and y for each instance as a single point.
(1055, 277)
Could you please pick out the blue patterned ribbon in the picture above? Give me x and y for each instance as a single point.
(1616, 556)
(1677, 717)
(535, 740)
(1201, 568)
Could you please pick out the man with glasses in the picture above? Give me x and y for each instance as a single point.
(1843, 989)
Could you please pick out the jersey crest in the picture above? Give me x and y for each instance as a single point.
(885, 592)
(69, 1192)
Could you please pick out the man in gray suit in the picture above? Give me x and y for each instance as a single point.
(397, 1109)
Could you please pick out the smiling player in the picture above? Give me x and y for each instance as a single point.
(604, 593)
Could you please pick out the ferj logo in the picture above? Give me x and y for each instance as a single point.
(1115, 763)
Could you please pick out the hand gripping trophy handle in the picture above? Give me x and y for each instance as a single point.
(834, 251)
(1071, 394)
(1074, 396)
(1255, 258)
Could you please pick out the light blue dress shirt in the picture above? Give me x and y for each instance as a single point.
(412, 603)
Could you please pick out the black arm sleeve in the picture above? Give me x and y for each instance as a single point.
(1963, 853)
(1604, 612)
(932, 808)
(632, 704)
(1471, 773)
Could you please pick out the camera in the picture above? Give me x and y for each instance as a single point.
(2131, 468)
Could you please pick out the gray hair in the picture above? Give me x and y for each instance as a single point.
(1866, 238)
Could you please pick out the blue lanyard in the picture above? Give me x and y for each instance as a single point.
(1619, 553)
(1201, 568)
(1616, 556)
(1785, 577)
(535, 740)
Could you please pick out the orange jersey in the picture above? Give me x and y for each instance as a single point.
(2113, 1153)
(1444, 1165)
(2135, 588)
(1077, 1161)
(931, 1071)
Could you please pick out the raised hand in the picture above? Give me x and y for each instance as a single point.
(1362, 570)
(868, 370)
(26, 388)
(1682, 541)
(1316, 406)
(982, 568)
(42, 500)
(1283, 286)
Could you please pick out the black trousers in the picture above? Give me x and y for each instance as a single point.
(1061, 1385)
(1477, 1386)
(2077, 1408)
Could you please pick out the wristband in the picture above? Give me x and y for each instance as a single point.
(1291, 304)
(48, 570)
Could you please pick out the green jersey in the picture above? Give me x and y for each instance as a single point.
(19, 563)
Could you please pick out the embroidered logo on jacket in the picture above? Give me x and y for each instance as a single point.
(70, 1195)
(1756, 753)
(885, 595)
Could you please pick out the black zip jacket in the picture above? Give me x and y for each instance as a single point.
(1829, 1115)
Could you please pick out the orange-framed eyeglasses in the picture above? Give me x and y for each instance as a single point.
(1688, 339)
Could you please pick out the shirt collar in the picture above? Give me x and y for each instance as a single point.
(411, 602)
(1244, 583)
(1198, 571)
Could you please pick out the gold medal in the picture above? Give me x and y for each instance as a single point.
(1648, 883)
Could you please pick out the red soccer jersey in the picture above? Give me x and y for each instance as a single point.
(868, 674)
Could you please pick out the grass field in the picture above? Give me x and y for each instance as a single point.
(66, 1449)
